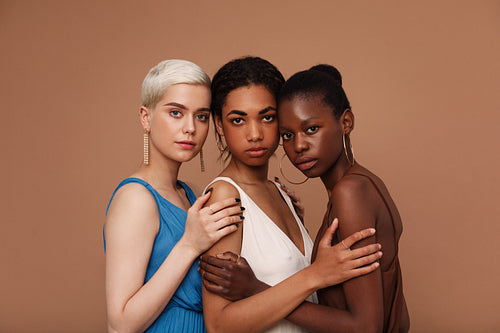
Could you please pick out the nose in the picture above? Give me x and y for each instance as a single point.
(254, 132)
(300, 143)
(188, 126)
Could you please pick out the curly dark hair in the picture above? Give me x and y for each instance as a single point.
(238, 73)
(320, 80)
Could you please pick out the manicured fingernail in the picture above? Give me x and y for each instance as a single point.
(242, 217)
(237, 226)
(237, 199)
(379, 246)
(276, 179)
(209, 190)
(294, 200)
(372, 231)
(380, 253)
(219, 255)
(242, 208)
(376, 264)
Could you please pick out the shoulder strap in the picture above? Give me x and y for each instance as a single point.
(386, 205)
(132, 180)
(227, 180)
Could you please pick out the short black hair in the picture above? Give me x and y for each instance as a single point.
(320, 80)
(238, 73)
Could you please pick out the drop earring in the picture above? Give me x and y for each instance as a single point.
(146, 147)
(202, 161)
(345, 138)
(288, 180)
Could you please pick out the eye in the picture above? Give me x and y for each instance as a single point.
(202, 117)
(268, 118)
(175, 113)
(312, 129)
(286, 136)
(237, 121)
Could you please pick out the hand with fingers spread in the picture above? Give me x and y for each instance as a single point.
(338, 263)
(205, 226)
(229, 276)
(297, 203)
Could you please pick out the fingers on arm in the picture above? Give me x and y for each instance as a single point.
(229, 214)
(224, 202)
(358, 236)
(326, 240)
(356, 211)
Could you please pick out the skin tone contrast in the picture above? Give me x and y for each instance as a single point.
(250, 129)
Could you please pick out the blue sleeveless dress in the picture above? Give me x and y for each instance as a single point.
(184, 311)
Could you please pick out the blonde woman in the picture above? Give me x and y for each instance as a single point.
(155, 229)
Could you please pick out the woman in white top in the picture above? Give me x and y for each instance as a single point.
(271, 237)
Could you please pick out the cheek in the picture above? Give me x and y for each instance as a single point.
(233, 136)
(202, 131)
(288, 147)
(271, 132)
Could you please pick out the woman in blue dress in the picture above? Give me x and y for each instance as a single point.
(155, 229)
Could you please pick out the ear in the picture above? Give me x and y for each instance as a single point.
(145, 116)
(347, 121)
(218, 126)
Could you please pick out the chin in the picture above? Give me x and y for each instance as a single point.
(256, 162)
(312, 173)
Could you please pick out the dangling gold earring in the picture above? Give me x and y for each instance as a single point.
(202, 161)
(146, 147)
(288, 180)
(350, 160)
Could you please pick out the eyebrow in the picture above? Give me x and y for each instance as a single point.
(243, 113)
(304, 122)
(180, 106)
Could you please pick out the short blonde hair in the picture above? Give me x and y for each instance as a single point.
(167, 73)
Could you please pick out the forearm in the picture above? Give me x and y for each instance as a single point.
(324, 319)
(139, 311)
(264, 309)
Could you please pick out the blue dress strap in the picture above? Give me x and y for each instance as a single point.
(128, 181)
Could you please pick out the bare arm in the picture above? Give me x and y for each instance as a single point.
(355, 209)
(130, 230)
(262, 310)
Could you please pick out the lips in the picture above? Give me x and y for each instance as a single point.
(256, 151)
(186, 144)
(305, 163)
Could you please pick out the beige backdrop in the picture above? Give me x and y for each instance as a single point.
(422, 76)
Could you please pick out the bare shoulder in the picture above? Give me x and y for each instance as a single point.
(222, 190)
(352, 188)
(132, 207)
(355, 203)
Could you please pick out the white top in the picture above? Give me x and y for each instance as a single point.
(271, 254)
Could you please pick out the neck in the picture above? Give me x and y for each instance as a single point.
(335, 174)
(161, 173)
(246, 174)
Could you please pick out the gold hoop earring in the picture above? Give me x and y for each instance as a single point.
(350, 160)
(202, 161)
(288, 180)
(146, 147)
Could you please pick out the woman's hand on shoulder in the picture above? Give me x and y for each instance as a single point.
(339, 263)
(207, 225)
